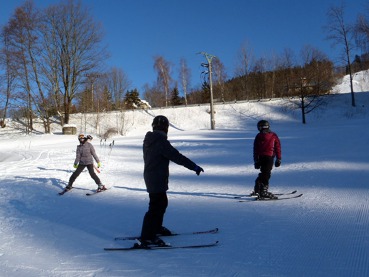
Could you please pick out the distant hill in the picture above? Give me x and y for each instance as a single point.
(229, 116)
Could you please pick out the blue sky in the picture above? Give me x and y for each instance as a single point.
(138, 30)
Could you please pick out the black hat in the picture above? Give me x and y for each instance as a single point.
(161, 123)
(263, 125)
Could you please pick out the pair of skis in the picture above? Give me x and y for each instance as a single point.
(167, 246)
(281, 196)
(87, 194)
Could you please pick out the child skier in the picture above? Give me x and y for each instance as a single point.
(267, 146)
(85, 156)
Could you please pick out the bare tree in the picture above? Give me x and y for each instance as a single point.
(51, 63)
(362, 30)
(35, 43)
(103, 96)
(243, 69)
(273, 64)
(164, 79)
(77, 47)
(23, 41)
(184, 76)
(9, 76)
(31, 24)
(342, 34)
(118, 83)
(259, 78)
(219, 78)
(313, 80)
(154, 96)
(285, 67)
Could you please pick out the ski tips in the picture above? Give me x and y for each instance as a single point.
(210, 231)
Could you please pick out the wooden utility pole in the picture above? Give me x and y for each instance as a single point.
(209, 59)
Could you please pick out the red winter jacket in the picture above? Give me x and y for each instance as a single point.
(267, 144)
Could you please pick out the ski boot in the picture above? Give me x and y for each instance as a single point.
(148, 243)
(66, 189)
(164, 231)
(101, 188)
(257, 188)
(253, 193)
(265, 194)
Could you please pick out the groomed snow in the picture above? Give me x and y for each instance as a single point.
(323, 233)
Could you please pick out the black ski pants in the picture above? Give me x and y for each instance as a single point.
(266, 166)
(78, 171)
(153, 219)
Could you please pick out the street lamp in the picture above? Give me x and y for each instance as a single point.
(209, 58)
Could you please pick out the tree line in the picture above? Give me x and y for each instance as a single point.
(52, 66)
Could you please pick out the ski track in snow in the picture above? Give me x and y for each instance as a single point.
(323, 233)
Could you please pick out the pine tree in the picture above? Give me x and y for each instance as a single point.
(132, 99)
(205, 95)
(176, 100)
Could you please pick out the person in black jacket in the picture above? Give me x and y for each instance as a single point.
(157, 152)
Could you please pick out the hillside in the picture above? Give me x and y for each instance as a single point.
(323, 233)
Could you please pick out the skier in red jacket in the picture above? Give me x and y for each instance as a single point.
(267, 146)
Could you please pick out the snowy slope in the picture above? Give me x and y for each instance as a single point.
(324, 233)
(360, 83)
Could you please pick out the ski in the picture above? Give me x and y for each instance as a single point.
(270, 199)
(64, 191)
(162, 247)
(95, 192)
(278, 194)
(211, 231)
(88, 194)
(286, 193)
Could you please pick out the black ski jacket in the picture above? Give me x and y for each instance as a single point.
(157, 152)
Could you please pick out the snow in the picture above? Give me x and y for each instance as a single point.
(360, 83)
(323, 233)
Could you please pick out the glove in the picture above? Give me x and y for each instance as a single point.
(257, 165)
(198, 170)
(98, 165)
(75, 165)
(277, 163)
